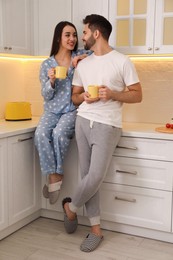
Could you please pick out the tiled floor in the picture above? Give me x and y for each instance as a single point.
(45, 239)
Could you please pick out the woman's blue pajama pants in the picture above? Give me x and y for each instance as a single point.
(52, 139)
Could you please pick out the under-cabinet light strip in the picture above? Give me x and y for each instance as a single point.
(132, 57)
(23, 58)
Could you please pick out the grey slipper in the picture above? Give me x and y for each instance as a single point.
(70, 225)
(52, 191)
(45, 192)
(91, 242)
(53, 196)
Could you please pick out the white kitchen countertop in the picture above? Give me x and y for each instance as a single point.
(141, 130)
(10, 128)
(144, 130)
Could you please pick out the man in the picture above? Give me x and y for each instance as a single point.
(99, 120)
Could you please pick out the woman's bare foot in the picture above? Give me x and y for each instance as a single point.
(55, 177)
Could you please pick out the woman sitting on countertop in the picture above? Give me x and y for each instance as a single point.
(57, 124)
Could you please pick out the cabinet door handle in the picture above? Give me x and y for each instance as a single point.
(25, 139)
(128, 172)
(157, 49)
(7, 48)
(149, 49)
(127, 147)
(125, 199)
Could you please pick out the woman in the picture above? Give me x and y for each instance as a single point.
(56, 126)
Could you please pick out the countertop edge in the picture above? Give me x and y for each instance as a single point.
(138, 130)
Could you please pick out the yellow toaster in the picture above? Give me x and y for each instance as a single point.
(15, 111)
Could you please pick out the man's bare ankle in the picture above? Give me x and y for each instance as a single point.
(96, 230)
(71, 215)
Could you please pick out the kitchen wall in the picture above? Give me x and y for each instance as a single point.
(156, 77)
(19, 81)
(11, 82)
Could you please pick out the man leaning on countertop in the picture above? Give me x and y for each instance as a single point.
(99, 120)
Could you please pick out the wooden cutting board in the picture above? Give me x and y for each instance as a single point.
(163, 129)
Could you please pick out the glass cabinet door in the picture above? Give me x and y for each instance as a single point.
(142, 26)
(164, 27)
(131, 20)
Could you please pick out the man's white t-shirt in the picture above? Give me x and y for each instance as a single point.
(114, 70)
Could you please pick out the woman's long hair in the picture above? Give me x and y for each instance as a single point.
(57, 37)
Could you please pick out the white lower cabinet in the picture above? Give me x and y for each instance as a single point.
(140, 173)
(3, 185)
(70, 179)
(20, 200)
(137, 190)
(23, 179)
(140, 207)
(136, 195)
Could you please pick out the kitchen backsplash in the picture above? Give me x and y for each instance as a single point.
(19, 81)
(156, 78)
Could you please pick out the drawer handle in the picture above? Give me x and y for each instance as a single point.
(25, 139)
(125, 199)
(127, 147)
(127, 172)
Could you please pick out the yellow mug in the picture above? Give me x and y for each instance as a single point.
(93, 90)
(60, 72)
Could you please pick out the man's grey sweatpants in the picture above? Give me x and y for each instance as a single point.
(96, 143)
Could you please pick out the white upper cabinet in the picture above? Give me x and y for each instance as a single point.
(15, 25)
(47, 14)
(139, 26)
(142, 26)
(82, 8)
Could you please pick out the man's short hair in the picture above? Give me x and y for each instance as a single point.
(98, 22)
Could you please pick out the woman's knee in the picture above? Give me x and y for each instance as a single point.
(41, 134)
(61, 134)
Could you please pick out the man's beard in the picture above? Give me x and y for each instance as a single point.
(89, 43)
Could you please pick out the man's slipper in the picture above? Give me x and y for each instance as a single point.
(91, 242)
(54, 190)
(70, 225)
